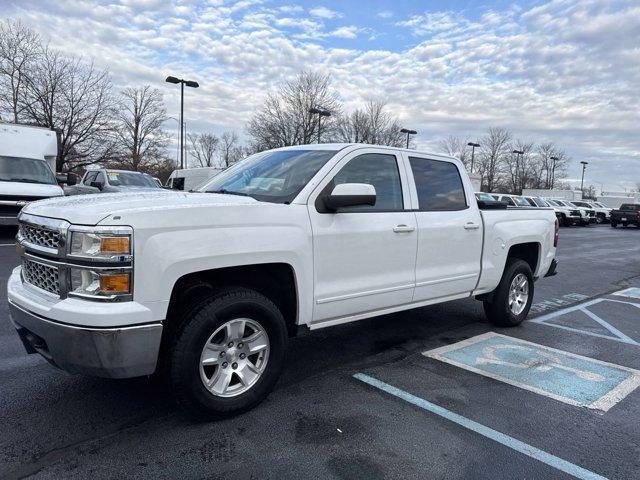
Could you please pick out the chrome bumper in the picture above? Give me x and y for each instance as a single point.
(120, 352)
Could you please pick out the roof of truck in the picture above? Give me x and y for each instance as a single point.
(341, 146)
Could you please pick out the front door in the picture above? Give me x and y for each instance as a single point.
(364, 257)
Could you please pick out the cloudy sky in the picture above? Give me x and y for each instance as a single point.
(565, 71)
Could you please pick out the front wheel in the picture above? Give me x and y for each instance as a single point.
(511, 300)
(229, 355)
(614, 224)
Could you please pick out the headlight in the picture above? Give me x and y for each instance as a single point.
(102, 245)
(99, 283)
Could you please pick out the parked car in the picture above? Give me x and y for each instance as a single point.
(602, 213)
(208, 286)
(590, 212)
(565, 215)
(27, 165)
(511, 200)
(587, 216)
(627, 214)
(112, 181)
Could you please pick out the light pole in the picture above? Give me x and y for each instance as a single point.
(473, 150)
(584, 166)
(188, 83)
(518, 161)
(408, 132)
(321, 113)
(552, 175)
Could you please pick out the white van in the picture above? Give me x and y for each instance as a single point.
(27, 166)
(191, 178)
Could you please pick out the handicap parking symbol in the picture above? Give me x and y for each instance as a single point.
(564, 376)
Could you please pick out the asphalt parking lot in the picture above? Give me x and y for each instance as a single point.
(391, 397)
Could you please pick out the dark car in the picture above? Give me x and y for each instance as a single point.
(627, 214)
(112, 181)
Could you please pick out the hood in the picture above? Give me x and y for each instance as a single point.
(91, 209)
(30, 189)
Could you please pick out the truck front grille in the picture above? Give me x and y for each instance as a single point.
(42, 237)
(43, 276)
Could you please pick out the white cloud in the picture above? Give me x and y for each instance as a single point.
(345, 32)
(324, 12)
(564, 71)
(385, 14)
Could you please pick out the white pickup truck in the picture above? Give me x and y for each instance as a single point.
(207, 287)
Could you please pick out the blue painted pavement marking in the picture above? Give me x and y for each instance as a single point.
(632, 292)
(616, 334)
(557, 374)
(510, 442)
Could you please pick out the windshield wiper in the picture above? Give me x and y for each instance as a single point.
(229, 192)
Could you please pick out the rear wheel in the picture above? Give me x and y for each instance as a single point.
(614, 224)
(600, 218)
(229, 355)
(511, 300)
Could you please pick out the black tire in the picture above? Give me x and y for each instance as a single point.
(614, 224)
(497, 308)
(565, 222)
(202, 321)
(625, 225)
(600, 218)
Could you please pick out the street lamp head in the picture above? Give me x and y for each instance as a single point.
(554, 158)
(319, 111)
(518, 152)
(191, 83)
(584, 163)
(471, 144)
(172, 80)
(410, 132)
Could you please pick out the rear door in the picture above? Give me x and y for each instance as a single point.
(364, 257)
(449, 229)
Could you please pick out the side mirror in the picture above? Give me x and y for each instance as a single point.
(97, 185)
(72, 179)
(350, 195)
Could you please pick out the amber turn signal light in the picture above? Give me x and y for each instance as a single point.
(114, 283)
(114, 245)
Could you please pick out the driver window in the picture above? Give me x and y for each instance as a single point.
(379, 170)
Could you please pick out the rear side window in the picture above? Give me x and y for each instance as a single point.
(630, 206)
(438, 184)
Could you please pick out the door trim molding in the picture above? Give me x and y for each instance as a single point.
(364, 294)
(445, 280)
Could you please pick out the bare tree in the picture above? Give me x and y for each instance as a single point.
(74, 98)
(203, 147)
(554, 163)
(138, 131)
(20, 48)
(230, 150)
(456, 147)
(284, 119)
(493, 150)
(373, 124)
(518, 168)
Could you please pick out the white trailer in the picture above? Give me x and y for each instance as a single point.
(27, 168)
(568, 195)
(188, 179)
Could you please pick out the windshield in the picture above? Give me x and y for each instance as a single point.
(27, 170)
(521, 202)
(485, 197)
(131, 179)
(271, 176)
(600, 205)
(540, 202)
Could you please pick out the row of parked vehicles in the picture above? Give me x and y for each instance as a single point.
(569, 213)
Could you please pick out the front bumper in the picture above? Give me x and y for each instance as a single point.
(120, 352)
(6, 220)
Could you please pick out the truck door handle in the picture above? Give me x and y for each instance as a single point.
(403, 228)
(471, 226)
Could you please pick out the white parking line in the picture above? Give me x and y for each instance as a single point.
(7, 244)
(510, 442)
